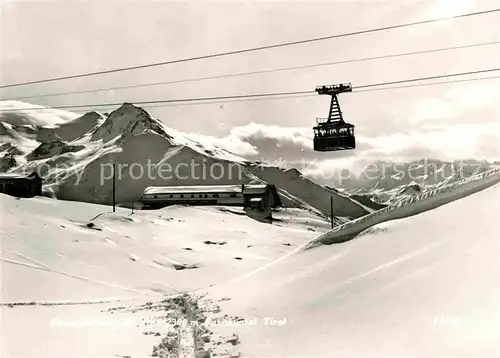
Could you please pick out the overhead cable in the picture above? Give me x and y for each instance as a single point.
(251, 49)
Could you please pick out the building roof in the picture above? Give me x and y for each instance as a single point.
(11, 176)
(192, 189)
(248, 189)
(18, 175)
(255, 189)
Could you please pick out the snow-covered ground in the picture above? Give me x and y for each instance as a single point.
(81, 281)
(426, 285)
(411, 206)
(55, 251)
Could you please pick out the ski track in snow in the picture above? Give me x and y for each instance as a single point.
(82, 278)
(48, 269)
(79, 261)
(390, 264)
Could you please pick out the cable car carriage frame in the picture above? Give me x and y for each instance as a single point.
(333, 133)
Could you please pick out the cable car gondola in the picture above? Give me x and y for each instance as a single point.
(332, 133)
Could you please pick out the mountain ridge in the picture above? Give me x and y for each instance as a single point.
(386, 182)
(79, 168)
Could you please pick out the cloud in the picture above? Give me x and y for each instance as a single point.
(298, 136)
(293, 146)
(473, 96)
(432, 109)
(453, 142)
(459, 142)
(229, 143)
(446, 8)
(263, 142)
(21, 113)
(458, 102)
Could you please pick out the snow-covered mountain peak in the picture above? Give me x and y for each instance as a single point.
(128, 120)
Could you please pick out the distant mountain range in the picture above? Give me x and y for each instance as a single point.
(387, 182)
(75, 155)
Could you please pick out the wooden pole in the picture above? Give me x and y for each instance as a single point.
(114, 186)
(331, 210)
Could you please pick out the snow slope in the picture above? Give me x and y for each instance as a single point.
(63, 256)
(412, 206)
(426, 285)
(68, 235)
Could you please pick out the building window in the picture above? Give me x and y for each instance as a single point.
(205, 196)
(216, 195)
(171, 196)
(232, 195)
(201, 196)
(155, 196)
(182, 195)
(9, 188)
(192, 195)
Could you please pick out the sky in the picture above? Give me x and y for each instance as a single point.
(42, 39)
